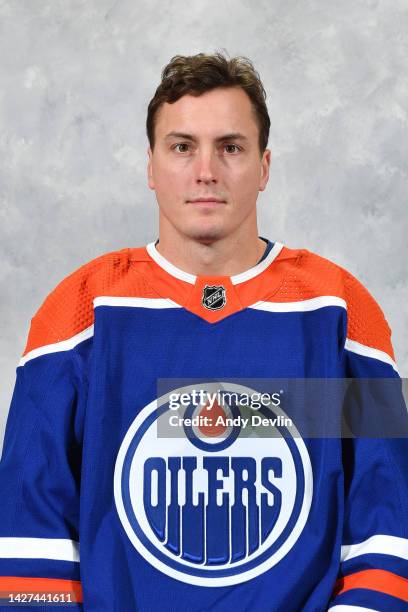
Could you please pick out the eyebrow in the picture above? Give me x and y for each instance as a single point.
(230, 136)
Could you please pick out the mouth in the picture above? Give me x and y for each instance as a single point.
(206, 201)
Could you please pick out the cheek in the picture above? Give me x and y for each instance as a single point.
(244, 181)
(169, 181)
(170, 187)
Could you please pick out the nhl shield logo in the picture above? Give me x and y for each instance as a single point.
(214, 297)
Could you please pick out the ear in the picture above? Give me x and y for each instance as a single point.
(265, 163)
(150, 180)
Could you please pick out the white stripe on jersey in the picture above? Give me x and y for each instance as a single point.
(345, 608)
(137, 302)
(377, 544)
(39, 548)
(302, 305)
(64, 345)
(368, 351)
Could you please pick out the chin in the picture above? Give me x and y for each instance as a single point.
(205, 234)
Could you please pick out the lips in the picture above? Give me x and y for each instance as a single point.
(206, 200)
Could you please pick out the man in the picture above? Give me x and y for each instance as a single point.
(103, 507)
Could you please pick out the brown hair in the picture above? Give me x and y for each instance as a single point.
(196, 74)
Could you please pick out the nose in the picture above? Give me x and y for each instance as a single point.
(206, 172)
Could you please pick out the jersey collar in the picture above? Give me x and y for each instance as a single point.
(213, 298)
(191, 278)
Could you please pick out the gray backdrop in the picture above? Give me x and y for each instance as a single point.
(75, 80)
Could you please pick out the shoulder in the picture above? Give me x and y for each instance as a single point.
(68, 310)
(314, 276)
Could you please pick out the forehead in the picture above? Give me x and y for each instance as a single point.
(222, 109)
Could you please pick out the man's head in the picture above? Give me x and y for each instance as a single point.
(208, 129)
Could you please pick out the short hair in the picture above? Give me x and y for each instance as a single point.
(196, 74)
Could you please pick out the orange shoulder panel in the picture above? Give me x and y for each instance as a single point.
(309, 276)
(68, 309)
(315, 276)
(366, 321)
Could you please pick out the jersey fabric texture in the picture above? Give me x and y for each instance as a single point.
(95, 506)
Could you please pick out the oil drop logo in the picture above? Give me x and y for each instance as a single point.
(211, 507)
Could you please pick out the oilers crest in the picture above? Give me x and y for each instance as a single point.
(211, 507)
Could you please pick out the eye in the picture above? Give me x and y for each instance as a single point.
(235, 147)
(180, 144)
(232, 145)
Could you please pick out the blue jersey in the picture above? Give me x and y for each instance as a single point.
(130, 479)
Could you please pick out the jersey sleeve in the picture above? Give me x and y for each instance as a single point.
(40, 471)
(373, 569)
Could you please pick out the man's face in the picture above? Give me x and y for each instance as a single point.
(207, 146)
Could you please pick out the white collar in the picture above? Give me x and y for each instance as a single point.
(191, 278)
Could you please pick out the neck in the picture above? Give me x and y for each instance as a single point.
(226, 256)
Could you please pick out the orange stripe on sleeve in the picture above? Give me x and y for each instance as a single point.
(19, 584)
(376, 580)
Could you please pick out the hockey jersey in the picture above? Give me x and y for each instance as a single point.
(106, 506)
